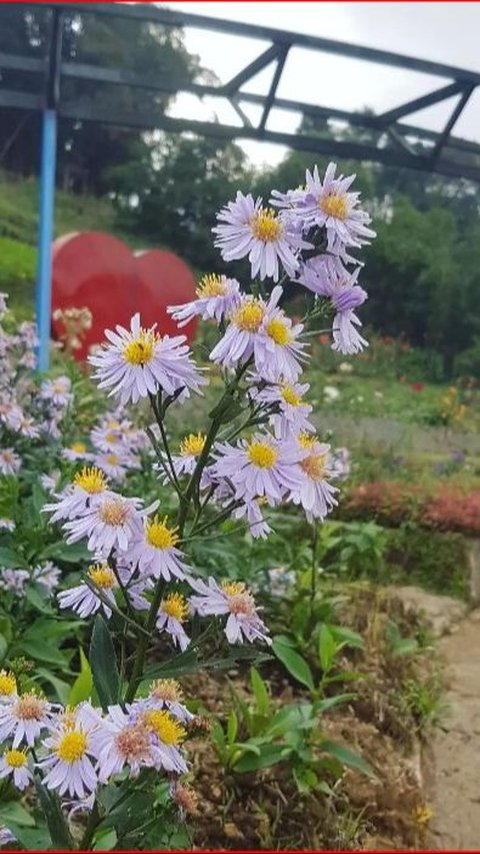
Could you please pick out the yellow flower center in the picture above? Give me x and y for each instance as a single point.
(164, 725)
(112, 438)
(102, 576)
(232, 588)
(78, 447)
(307, 440)
(211, 286)
(141, 350)
(112, 424)
(166, 689)
(159, 535)
(279, 332)
(114, 512)
(133, 743)
(91, 480)
(15, 758)
(72, 747)
(192, 445)
(249, 316)
(175, 605)
(30, 707)
(334, 205)
(262, 455)
(112, 460)
(8, 683)
(290, 395)
(315, 466)
(266, 226)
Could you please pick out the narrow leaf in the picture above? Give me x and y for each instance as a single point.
(103, 664)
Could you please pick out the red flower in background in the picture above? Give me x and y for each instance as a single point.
(417, 387)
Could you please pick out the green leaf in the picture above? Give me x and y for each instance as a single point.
(406, 646)
(61, 687)
(103, 663)
(348, 636)
(294, 663)
(3, 647)
(33, 595)
(73, 553)
(270, 754)
(105, 840)
(330, 702)
(31, 838)
(43, 652)
(232, 727)
(348, 757)
(260, 691)
(83, 685)
(10, 559)
(39, 498)
(327, 648)
(14, 811)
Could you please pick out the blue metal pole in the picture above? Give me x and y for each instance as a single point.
(45, 235)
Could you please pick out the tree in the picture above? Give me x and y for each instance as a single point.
(87, 150)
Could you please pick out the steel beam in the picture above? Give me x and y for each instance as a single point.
(87, 111)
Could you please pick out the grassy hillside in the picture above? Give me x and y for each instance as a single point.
(18, 232)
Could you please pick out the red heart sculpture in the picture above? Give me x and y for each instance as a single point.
(99, 272)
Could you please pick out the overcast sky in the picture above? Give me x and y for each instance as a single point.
(445, 32)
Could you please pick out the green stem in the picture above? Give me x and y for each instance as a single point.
(92, 822)
(185, 501)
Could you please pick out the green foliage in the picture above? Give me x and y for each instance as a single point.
(256, 736)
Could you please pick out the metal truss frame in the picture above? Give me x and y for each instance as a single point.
(392, 141)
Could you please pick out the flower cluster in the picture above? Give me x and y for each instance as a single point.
(76, 750)
(260, 451)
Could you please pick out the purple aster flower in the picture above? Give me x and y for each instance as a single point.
(6, 524)
(68, 765)
(154, 551)
(115, 465)
(47, 575)
(262, 330)
(331, 280)
(77, 451)
(14, 764)
(234, 599)
(139, 361)
(57, 391)
(14, 580)
(263, 466)
(328, 204)
(120, 740)
(290, 413)
(10, 462)
(217, 297)
(166, 694)
(246, 228)
(258, 527)
(172, 613)
(315, 494)
(83, 600)
(113, 522)
(24, 718)
(88, 487)
(277, 352)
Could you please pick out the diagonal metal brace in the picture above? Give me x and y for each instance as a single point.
(257, 65)
(281, 59)
(420, 103)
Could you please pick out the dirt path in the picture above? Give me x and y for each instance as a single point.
(453, 758)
